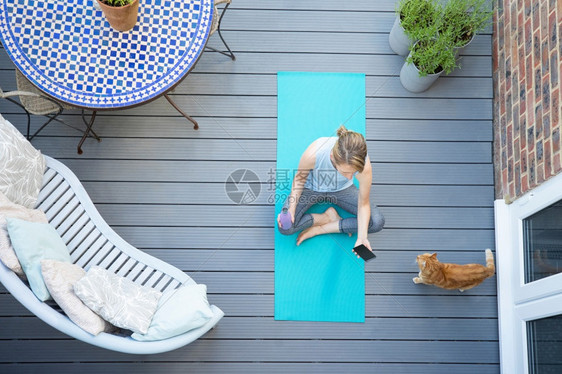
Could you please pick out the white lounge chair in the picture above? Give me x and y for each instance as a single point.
(92, 242)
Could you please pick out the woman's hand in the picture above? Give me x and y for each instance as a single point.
(291, 212)
(363, 241)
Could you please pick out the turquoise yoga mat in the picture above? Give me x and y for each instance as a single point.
(321, 280)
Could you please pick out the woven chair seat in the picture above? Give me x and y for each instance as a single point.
(37, 105)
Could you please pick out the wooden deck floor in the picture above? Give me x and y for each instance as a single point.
(160, 184)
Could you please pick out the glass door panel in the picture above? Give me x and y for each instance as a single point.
(542, 243)
(544, 345)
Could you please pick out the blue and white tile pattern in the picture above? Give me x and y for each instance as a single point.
(67, 48)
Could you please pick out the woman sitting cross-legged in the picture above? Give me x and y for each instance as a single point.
(325, 174)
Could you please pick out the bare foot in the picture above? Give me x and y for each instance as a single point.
(332, 214)
(307, 234)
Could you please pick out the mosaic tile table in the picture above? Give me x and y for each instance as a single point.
(68, 50)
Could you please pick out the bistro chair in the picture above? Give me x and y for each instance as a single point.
(216, 26)
(33, 101)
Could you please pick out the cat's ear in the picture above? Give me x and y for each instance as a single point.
(434, 255)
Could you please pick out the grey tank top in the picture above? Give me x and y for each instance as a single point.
(325, 177)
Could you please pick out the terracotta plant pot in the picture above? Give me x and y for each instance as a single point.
(121, 18)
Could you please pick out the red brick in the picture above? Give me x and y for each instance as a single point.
(530, 112)
(516, 150)
(515, 120)
(508, 107)
(553, 70)
(536, 15)
(555, 107)
(556, 140)
(520, 30)
(552, 30)
(524, 183)
(546, 124)
(540, 173)
(536, 49)
(557, 164)
(538, 121)
(529, 73)
(545, 57)
(517, 179)
(507, 74)
(500, 97)
(547, 159)
(538, 86)
(546, 93)
(512, 189)
(544, 19)
(523, 131)
(528, 37)
(532, 169)
(504, 180)
(509, 141)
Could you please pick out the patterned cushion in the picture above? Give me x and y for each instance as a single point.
(9, 209)
(21, 166)
(118, 300)
(59, 278)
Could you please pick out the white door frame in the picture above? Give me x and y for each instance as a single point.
(519, 302)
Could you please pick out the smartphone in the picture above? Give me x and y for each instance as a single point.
(364, 252)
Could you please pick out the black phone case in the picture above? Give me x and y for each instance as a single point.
(364, 252)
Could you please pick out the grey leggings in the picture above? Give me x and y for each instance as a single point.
(346, 199)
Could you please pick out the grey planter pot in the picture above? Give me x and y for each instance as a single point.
(399, 41)
(460, 50)
(411, 80)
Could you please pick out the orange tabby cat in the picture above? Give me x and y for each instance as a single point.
(453, 276)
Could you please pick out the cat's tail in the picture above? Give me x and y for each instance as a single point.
(490, 262)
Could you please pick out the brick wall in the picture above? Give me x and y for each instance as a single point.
(526, 70)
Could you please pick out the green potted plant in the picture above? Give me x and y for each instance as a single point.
(121, 14)
(428, 59)
(415, 19)
(463, 19)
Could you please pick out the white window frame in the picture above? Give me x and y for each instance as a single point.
(518, 302)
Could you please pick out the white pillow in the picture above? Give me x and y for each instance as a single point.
(32, 243)
(118, 300)
(21, 166)
(179, 311)
(9, 209)
(59, 278)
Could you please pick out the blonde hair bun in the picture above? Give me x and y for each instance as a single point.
(350, 148)
(341, 131)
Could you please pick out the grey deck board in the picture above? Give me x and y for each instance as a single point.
(263, 150)
(217, 172)
(270, 63)
(325, 42)
(267, 328)
(261, 128)
(266, 84)
(261, 216)
(266, 350)
(160, 184)
(214, 194)
(254, 367)
(237, 237)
